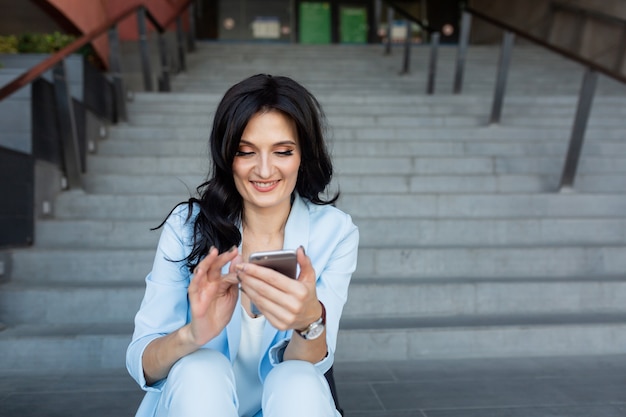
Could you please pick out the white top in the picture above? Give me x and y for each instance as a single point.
(246, 366)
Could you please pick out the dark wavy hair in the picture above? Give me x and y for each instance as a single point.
(220, 204)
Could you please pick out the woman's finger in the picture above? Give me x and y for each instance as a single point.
(211, 266)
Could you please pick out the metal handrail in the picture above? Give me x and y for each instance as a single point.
(48, 63)
(556, 49)
(585, 97)
(433, 35)
(70, 147)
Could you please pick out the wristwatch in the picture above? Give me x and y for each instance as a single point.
(315, 329)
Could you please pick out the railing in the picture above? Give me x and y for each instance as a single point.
(433, 35)
(63, 119)
(586, 93)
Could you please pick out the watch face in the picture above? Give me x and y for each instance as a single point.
(315, 330)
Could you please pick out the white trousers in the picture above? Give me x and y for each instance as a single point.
(203, 384)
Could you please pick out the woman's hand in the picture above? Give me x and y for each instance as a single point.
(212, 299)
(285, 302)
(212, 296)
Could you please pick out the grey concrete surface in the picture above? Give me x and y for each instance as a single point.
(589, 386)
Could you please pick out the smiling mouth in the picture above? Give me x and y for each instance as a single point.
(264, 185)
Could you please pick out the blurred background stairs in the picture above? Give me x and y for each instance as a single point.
(467, 249)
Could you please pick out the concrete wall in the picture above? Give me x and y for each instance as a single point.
(15, 110)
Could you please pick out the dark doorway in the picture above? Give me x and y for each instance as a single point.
(206, 19)
(444, 16)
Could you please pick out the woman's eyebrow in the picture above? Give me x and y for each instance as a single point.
(285, 142)
(280, 143)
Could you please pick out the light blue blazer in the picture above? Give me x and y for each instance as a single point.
(329, 238)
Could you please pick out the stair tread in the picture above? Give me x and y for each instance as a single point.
(395, 323)
(347, 324)
(66, 330)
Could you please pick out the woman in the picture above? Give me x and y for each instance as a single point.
(200, 348)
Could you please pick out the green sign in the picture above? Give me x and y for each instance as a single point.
(353, 25)
(314, 22)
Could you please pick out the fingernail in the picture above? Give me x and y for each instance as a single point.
(303, 251)
(239, 267)
(232, 249)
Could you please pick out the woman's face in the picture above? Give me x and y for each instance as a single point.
(266, 165)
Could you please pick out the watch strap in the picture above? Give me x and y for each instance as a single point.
(319, 322)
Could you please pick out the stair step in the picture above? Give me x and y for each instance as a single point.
(462, 134)
(369, 298)
(393, 120)
(493, 165)
(387, 148)
(442, 102)
(185, 185)
(499, 336)
(381, 232)
(91, 303)
(104, 346)
(504, 262)
(464, 298)
(131, 266)
(54, 347)
(77, 205)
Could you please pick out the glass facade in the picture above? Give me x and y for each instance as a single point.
(303, 21)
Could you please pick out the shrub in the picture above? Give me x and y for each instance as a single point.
(9, 44)
(43, 43)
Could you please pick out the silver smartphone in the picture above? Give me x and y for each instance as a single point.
(283, 261)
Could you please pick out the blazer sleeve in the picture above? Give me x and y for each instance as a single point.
(164, 307)
(333, 246)
(333, 282)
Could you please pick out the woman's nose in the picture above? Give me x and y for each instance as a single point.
(264, 167)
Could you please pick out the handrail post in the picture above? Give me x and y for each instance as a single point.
(389, 27)
(406, 62)
(432, 66)
(116, 74)
(180, 43)
(619, 59)
(583, 109)
(191, 35)
(67, 127)
(164, 80)
(466, 23)
(143, 49)
(503, 70)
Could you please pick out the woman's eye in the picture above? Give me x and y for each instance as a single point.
(243, 153)
(288, 152)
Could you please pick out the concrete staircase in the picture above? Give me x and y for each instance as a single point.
(466, 248)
